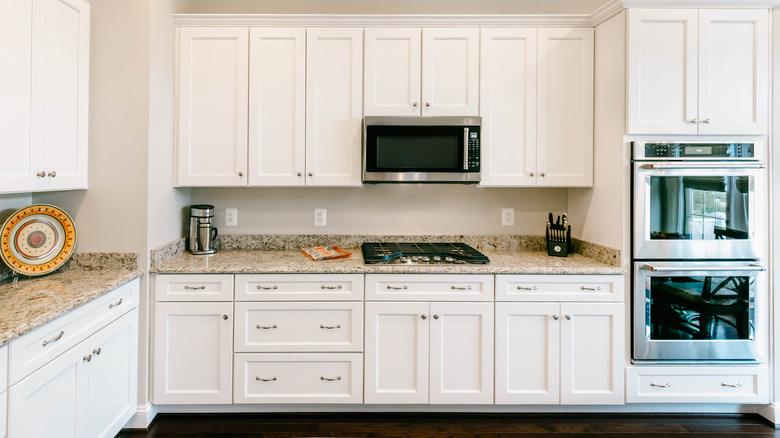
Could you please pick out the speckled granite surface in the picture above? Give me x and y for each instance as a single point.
(38, 300)
(240, 253)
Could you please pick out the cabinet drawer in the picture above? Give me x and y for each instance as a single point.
(747, 384)
(29, 352)
(429, 287)
(285, 326)
(559, 288)
(298, 378)
(193, 287)
(299, 287)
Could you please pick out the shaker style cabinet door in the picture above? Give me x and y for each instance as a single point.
(508, 107)
(450, 72)
(212, 108)
(334, 106)
(662, 71)
(193, 353)
(565, 108)
(392, 72)
(733, 71)
(277, 100)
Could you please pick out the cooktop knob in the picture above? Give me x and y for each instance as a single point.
(403, 259)
(426, 259)
(449, 259)
(437, 259)
(414, 258)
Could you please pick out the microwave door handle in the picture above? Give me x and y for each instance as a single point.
(712, 165)
(750, 267)
(465, 148)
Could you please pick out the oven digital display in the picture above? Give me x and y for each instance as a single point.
(698, 150)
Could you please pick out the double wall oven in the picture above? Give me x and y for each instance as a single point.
(698, 251)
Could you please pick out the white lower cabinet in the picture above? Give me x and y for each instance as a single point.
(90, 390)
(567, 353)
(298, 378)
(697, 384)
(193, 351)
(420, 352)
(3, 414)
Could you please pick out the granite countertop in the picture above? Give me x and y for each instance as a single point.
(287, 261)
(38, 300)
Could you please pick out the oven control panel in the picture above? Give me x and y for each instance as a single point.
(696, 150)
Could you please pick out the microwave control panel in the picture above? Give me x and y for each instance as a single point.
(473, 153)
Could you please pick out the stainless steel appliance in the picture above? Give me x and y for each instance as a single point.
(421, 254)
(421, 149)
(698, 251)
(203, 233)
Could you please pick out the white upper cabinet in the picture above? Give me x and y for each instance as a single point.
(428, 72)
(44, 81)
(277, 102)
(334, 110)
(212, 94)
(508, 107)
(697, 71)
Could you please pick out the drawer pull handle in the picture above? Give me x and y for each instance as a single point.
(97, 351)
(590, 288)
(330, 327)
(461, 287)
(666, 385)
(111, 306)
(264, 379)
(54, 339)
(729, 385)
(527, 288)
(201, 287)
(330, 287)
(330, 379)
(266, 327)
(404, 287)
(274, 287)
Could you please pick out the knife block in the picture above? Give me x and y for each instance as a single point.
(559, 242)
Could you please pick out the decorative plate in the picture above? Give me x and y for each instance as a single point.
(37, 239)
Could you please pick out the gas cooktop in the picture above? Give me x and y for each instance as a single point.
(421, 254)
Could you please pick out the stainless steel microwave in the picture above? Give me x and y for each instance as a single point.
(421, 149)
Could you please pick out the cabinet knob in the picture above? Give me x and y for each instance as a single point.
(415, 104)
(225, 317)
(41, 174)
(87, 358)
(568, 317)
(532, 173)
(52, 174)
(240, 173)
(97, 351)
(706, 121)
(556, 317)
(424, 316)
(543, 174)
(300, 173)
(693, 121)
(435, 316)
(311, 173)
(427, 104)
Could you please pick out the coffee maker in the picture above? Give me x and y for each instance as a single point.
(203, 233)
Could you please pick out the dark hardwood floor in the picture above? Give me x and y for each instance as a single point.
(455, 425)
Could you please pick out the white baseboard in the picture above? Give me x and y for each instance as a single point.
(770, 413)
(143, 417)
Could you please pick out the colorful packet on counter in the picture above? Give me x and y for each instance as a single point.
(322, 253)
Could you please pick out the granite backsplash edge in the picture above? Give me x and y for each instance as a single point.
(89, 261)
(275, 242)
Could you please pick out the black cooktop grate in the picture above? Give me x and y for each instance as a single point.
(376, 252)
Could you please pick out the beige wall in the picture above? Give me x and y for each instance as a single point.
(391, 7)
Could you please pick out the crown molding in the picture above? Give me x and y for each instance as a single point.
(606, 12)
(700, 4)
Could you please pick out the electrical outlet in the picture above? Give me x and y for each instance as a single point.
(231, 217)
(507, 216)
(320, 217)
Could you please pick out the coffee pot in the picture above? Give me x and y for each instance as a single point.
(203, 233)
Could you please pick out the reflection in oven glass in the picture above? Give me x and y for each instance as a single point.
(699, 207)
(701, 307)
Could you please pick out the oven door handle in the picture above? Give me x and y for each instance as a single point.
(712, 165)
(750, 267)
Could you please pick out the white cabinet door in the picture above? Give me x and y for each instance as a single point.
(592, 353)
(113, 375)
(565, 108)
(396, 355)
(392, 72)
(277, 99)
(508, 107)
(193, 352)
(47, 403)
(450, 72)
(527, 353)
(662, 71)
(733, 71)
(3, 414)
(461, 356)
(334, 102)
(212, 78)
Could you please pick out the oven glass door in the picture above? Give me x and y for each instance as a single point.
(697, 311)
(697, 211)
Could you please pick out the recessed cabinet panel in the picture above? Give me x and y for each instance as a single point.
(212, 106)
(392, 72)
(686, 384)
(299, 287)
(277, 100)
(450, 68)
(508, 107)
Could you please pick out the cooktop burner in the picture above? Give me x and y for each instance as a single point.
(421, 253)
